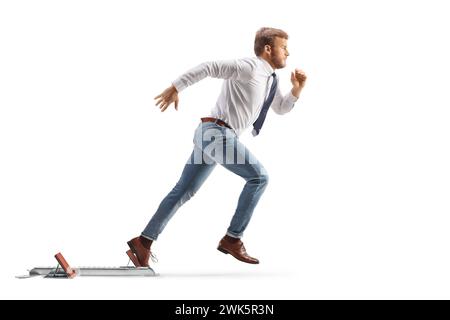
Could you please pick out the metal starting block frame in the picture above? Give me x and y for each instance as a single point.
(63, 270)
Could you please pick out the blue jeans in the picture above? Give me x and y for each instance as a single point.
(214, 144)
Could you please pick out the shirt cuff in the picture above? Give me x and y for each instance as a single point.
(291, 98)
(179, 84)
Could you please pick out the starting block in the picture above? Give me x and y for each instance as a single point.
(64, 270)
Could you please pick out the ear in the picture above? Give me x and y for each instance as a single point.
(268, 48)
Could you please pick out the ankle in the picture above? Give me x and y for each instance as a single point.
(231, 239)
(147, 243)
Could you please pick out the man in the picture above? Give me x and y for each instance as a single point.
(250, 87)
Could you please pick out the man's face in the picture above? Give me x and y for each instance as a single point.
(279, 53)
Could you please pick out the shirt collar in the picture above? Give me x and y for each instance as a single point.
(267, 67)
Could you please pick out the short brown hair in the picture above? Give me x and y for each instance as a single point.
(266, 36)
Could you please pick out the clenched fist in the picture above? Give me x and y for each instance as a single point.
(298, 78)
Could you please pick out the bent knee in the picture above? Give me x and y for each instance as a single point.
(260, 179)
(264, 179)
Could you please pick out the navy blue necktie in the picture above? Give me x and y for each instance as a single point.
(262, 115)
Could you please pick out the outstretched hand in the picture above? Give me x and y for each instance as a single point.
(166, 98)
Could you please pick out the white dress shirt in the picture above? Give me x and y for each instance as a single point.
(247, 84)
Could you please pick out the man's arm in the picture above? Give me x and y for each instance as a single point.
(283, 104)
(224, 69)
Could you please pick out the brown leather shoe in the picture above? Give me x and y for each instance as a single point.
(142, 253)
(236, 248)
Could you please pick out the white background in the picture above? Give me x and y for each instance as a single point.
(358, 202)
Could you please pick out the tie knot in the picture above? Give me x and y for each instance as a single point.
(274, 74)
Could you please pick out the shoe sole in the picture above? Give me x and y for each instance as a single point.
(242, 260)
(222, 250)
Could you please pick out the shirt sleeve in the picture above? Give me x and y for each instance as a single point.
(238, 69)
(283, 104)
